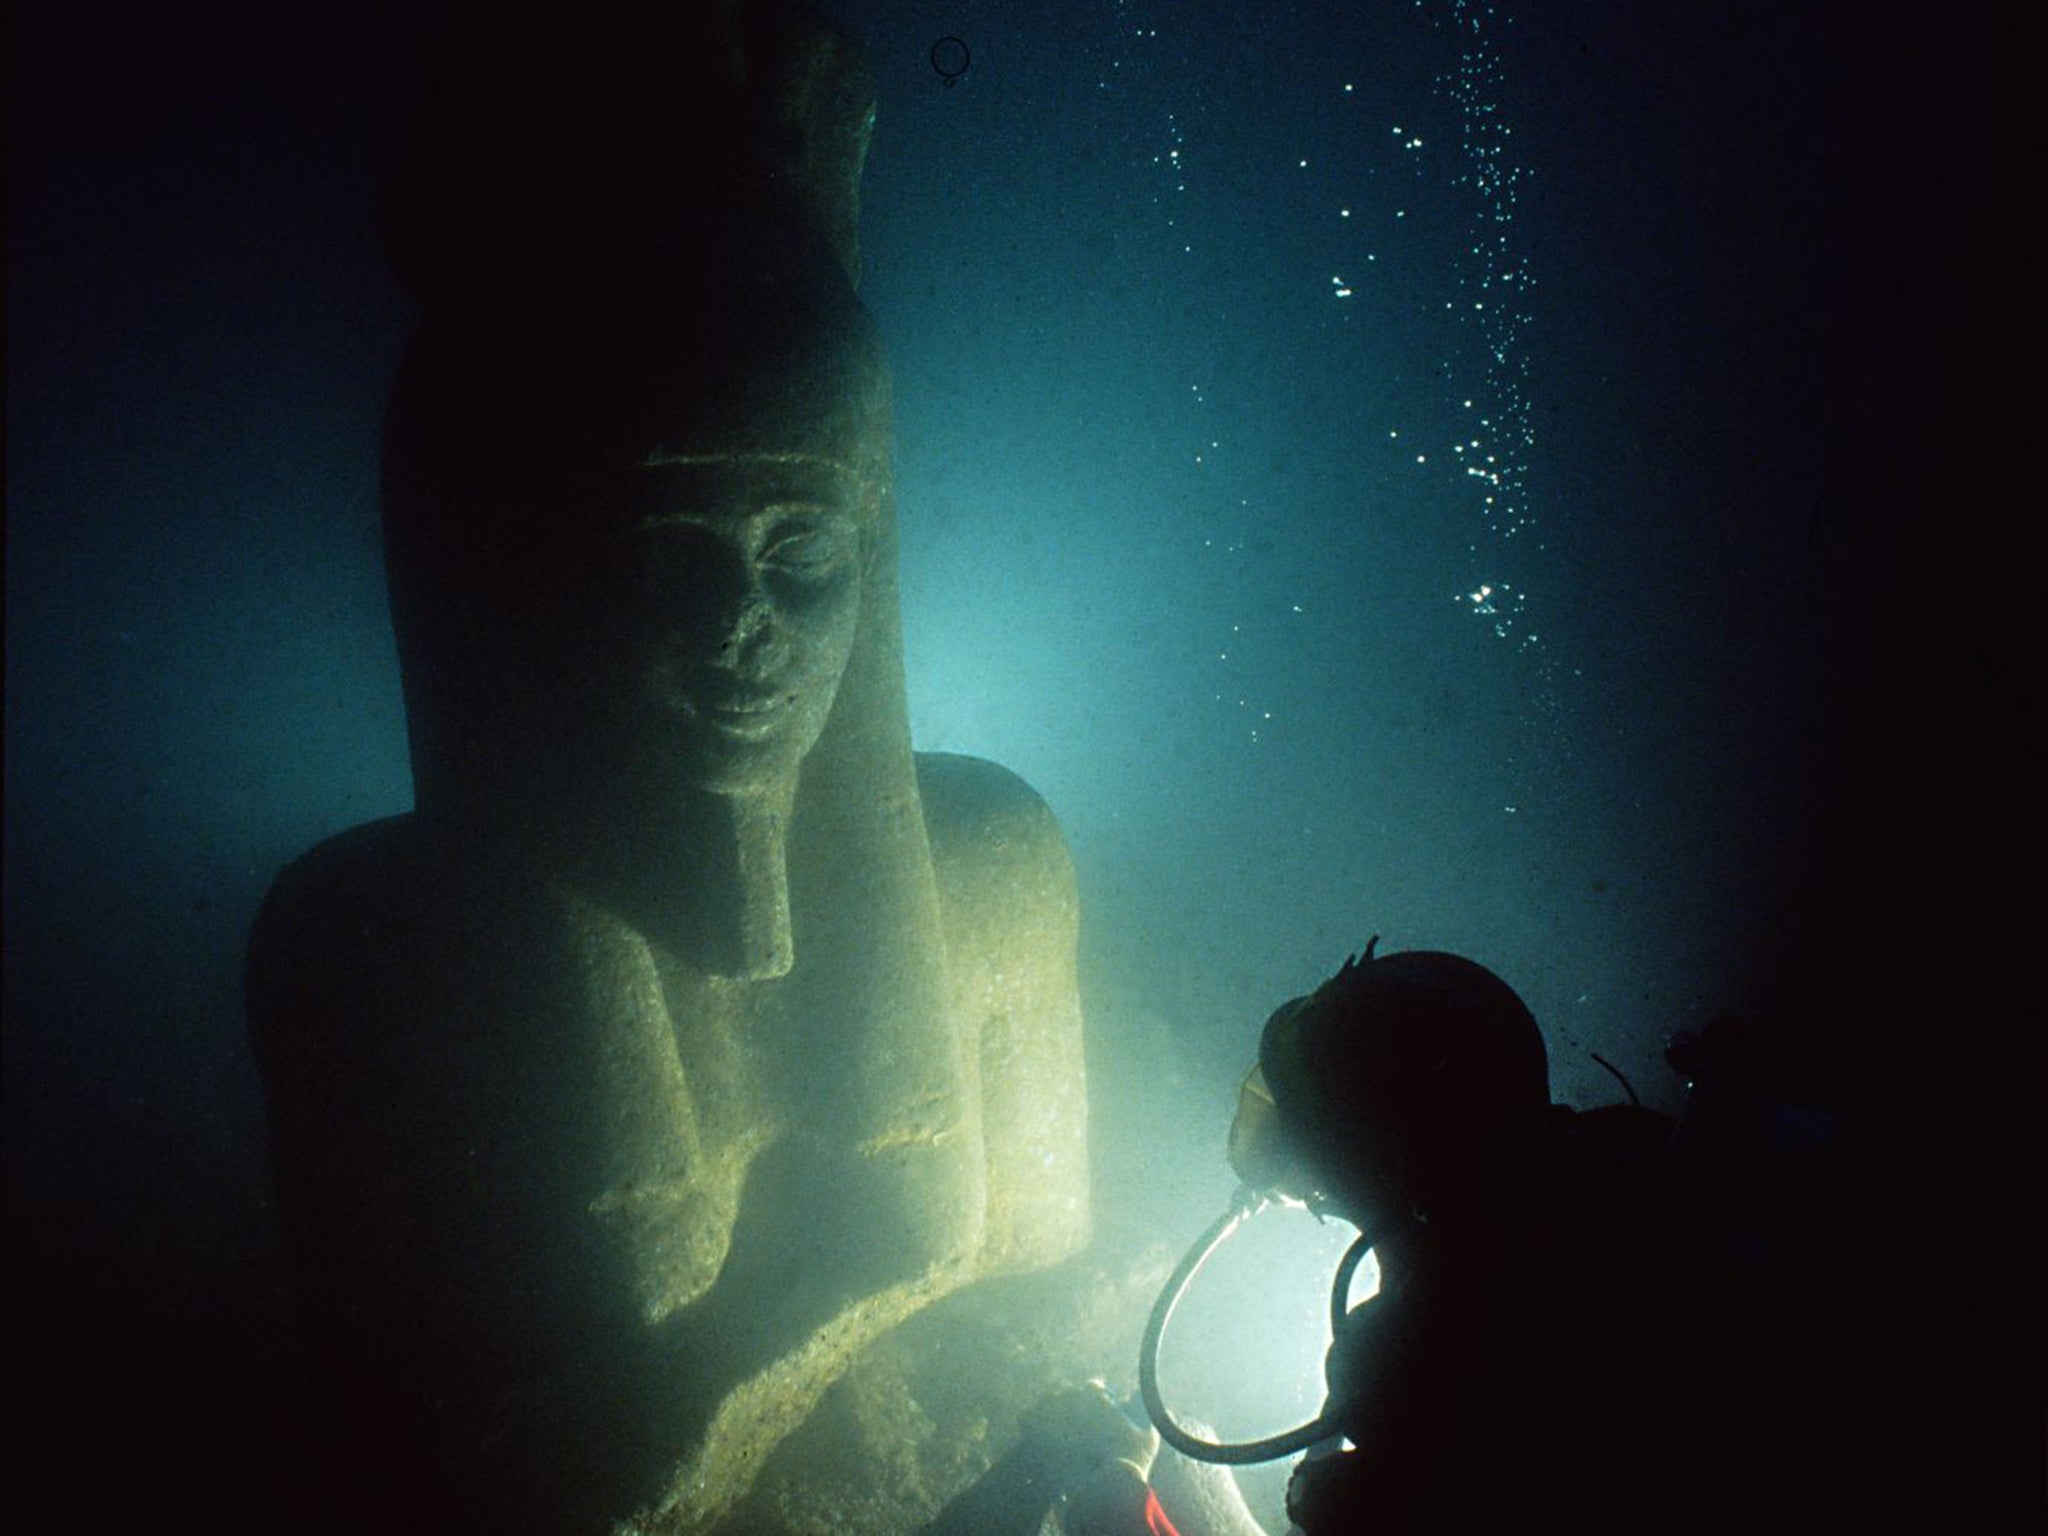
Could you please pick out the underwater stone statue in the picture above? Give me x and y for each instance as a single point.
(691, 1032)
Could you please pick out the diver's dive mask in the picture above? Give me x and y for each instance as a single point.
(1258, 1150)
(1267, 1156)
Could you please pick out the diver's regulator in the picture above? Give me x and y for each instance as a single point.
(1325, 1426)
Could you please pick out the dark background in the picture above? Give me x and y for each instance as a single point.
(1768, 752)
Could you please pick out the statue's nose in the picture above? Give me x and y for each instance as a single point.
(746, 624)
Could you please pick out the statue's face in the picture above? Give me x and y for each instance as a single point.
(744, 583)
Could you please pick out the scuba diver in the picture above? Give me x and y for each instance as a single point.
(1559, 1330)
(1573, 1314)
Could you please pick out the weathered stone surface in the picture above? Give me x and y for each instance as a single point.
(690, 1034)
(901, 1442)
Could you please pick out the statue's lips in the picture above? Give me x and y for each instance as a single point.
(748, 713)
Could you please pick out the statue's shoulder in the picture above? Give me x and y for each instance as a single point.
(362, 875)
(1011, 916)
(340, 920)
(995, 842)
(974, 808)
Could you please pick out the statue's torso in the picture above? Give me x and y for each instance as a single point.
(532, 1161)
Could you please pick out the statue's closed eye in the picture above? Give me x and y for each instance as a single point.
(810, 549)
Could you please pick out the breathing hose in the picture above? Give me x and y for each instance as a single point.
(1243, 1206)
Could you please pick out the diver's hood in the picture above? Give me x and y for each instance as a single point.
(1404, 1079)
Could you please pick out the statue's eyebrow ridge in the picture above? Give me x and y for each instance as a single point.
(662, 459)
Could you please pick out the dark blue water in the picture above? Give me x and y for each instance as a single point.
(1214, 328)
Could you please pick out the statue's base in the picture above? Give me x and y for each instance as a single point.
(930, 1409)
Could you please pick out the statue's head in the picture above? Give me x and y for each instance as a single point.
(629, 523)
(637, 458)
(741, 592)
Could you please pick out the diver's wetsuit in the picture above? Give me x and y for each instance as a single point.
(1570, 1348)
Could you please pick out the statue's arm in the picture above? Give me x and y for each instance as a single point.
(339, 1148)
(1011, 915)
(470, 1335)
(319, 990)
